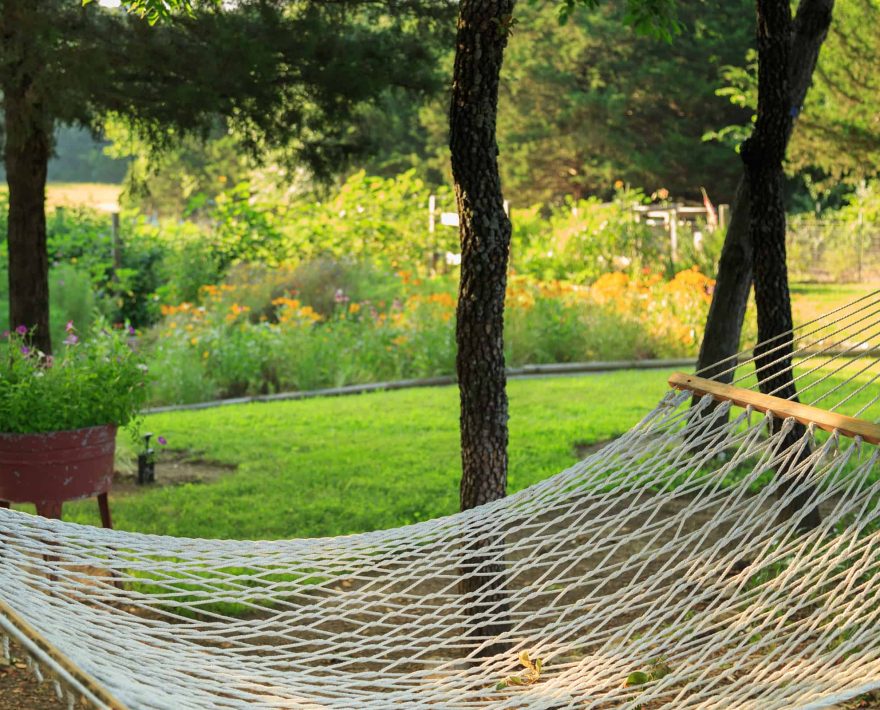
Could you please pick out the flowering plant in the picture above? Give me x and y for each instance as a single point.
(99, 380)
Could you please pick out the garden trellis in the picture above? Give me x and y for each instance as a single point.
(660, 571)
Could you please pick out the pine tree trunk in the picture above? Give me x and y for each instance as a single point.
(27, 151)
(763, 154)
(485, 244)
(734, 280)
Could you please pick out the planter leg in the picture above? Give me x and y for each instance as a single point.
(104, 507)
(4, 503)
(49, 509)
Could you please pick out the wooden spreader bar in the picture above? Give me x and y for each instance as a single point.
(783, 408)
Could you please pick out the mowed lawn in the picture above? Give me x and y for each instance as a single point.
(812, 300)
(341, 465)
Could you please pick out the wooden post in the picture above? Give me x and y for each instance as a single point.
(723, 216)
(859, 235)
(432, 208)
(116, 246)
(673, 236)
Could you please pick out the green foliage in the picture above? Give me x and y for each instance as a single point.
(656, 18)
(580, 240)
(838, 132)
(838, 245)
(258, 334)
(593, 101)
(182, 179)
(836, 138)
(100, 380)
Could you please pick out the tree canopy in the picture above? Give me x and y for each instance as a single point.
(292, 74)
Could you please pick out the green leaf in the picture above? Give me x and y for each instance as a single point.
(637, 678)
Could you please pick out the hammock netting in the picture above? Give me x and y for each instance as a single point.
(672, 568)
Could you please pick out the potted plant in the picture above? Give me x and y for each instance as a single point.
(59, 416)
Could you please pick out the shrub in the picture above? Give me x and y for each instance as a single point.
(241, 352)
(100, 380)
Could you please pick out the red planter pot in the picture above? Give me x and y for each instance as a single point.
(48, 469)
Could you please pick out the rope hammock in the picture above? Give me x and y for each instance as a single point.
(670, 569)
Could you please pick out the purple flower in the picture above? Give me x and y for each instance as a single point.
(162, 440)
(131, 330)
(69, 326)
(25, 350)
(71, 339)
(340, 296)
(22, 330)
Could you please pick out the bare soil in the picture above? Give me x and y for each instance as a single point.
(174, 467)
(19, 689)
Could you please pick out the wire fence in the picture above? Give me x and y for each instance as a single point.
(834, 251)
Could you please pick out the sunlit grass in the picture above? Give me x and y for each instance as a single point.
(342, 465)
(334, 466)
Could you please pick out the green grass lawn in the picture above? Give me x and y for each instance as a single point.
(332, 466)
(349, 464)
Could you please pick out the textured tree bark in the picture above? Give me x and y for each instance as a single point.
(734, 279)
(483, 27)
(28, 136)
(28, 146)
(763, 154)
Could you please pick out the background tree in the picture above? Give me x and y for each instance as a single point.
(763, 154)
(734, 279)
(595, 100)
(838, 135)
(284, 73)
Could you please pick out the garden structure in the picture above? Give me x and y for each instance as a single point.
(48, 469)
(666, 570)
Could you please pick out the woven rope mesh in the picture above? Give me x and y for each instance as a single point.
(671, 553)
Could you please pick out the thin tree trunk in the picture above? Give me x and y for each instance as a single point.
(27, 158)
(763, 154)
(734, 280)
(28, 136)
(483, 27)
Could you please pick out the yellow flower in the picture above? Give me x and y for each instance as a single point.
(354, 308)
(194, 341)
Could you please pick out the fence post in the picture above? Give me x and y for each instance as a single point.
(723, 216)
(673, 235)
(116, 246)
(859, 234)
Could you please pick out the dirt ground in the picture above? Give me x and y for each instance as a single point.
(174, 468)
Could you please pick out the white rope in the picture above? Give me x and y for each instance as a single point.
(789, 338)
(672, 557)
(657, 547)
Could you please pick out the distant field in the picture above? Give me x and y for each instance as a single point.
(100, 196)
(97, 195)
